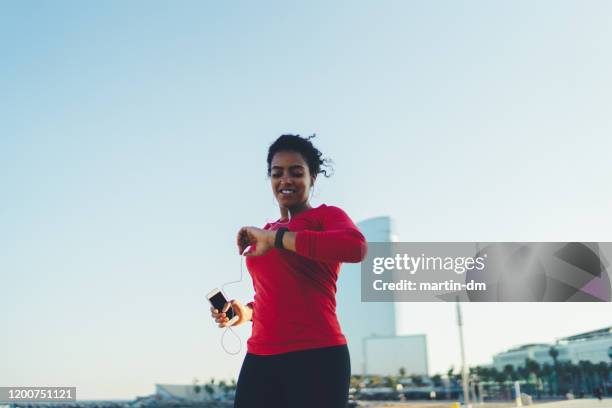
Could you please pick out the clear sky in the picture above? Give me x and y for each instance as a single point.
(133, 138)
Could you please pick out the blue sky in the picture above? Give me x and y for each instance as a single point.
(133, 139)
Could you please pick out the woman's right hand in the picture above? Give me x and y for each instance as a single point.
(260, 240)
(244, 313)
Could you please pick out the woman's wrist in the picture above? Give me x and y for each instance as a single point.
(270, 238)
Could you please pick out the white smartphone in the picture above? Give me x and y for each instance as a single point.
(218, 300)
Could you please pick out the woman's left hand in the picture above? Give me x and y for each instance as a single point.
(260, 240)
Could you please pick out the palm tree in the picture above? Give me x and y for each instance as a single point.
(554, 353)
(522, 373)
(510, 373)
(232, 386)
(390, 381)
(532, 366)
(547, 372)
(487, 374)
(196, 388)
(567, 376)
(602, 372)
(417, 380)
(437, 380)
(533, 376)
(500, 378)
(209, 390)
(585, 372)
(224, 387)
(449, 373)
(375, 380)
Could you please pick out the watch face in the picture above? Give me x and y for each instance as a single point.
(278, 241)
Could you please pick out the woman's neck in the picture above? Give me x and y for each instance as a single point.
(293, 211)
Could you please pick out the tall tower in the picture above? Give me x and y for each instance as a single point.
(360, 319)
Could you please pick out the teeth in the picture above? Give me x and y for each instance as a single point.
(286, 191)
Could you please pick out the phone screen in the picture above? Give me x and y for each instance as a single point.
(218, 301)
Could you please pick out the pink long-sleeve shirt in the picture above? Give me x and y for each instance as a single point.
(295, 292)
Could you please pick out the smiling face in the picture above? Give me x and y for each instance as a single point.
(291, 180)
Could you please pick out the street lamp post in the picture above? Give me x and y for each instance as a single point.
(464, 376)
(554, 353)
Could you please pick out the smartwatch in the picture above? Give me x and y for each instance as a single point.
(278, 241)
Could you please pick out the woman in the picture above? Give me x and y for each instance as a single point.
(297, 355)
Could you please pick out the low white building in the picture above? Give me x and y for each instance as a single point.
(594, 346)
(192, 392)
(386, 355)
(516, 356)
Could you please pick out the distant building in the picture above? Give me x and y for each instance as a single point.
(516, 356)
(594, 346)
(190, 392)
(179, 391)
(387, 355)
(362, 321)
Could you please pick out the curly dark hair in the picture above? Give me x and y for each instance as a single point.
(303, 146)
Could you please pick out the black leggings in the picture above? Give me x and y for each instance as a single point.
(302, 379)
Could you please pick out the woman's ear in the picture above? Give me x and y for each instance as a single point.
(312, 180)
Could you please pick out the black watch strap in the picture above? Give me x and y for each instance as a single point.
(278, 240)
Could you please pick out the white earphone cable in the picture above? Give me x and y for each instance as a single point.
(229, 328)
